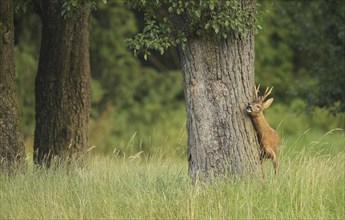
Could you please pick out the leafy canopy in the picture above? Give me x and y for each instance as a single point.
(321, 40)
(172, 22)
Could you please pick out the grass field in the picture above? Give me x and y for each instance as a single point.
(310, 185)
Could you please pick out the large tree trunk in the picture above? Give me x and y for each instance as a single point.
(62, 85)
(11, 137)
(218, 83)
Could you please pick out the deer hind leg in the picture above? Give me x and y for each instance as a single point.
(275, 161)
(275, 164)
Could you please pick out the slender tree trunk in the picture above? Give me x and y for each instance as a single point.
(11, 137)
(218, 83)
(62, 85)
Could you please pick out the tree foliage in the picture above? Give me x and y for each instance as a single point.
(301, 49)
(172, 22)
(275, 52)
(128, 94)
(323, 44)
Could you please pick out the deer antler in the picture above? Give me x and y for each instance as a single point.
(256, 91)
(267, 93)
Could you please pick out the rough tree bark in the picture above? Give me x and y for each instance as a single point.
(11, 136)
(62, 85)
(218, 83)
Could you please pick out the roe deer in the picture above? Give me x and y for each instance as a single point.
(268, 137)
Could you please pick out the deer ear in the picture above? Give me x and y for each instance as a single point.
(268, 103)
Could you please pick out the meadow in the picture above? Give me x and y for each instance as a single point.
(137, 168)
(310, 185)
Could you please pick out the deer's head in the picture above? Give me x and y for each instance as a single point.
(259, 104)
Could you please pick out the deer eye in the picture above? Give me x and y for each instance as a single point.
(258, 106)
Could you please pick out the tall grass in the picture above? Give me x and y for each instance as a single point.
(310, 185)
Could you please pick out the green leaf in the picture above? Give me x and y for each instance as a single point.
(216, 28)
(211, 6)
(207, 26)
(74, 3)
(198, 13)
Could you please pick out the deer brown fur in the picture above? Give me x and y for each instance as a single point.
(268, 137)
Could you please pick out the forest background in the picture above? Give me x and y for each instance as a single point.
(138, 105)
